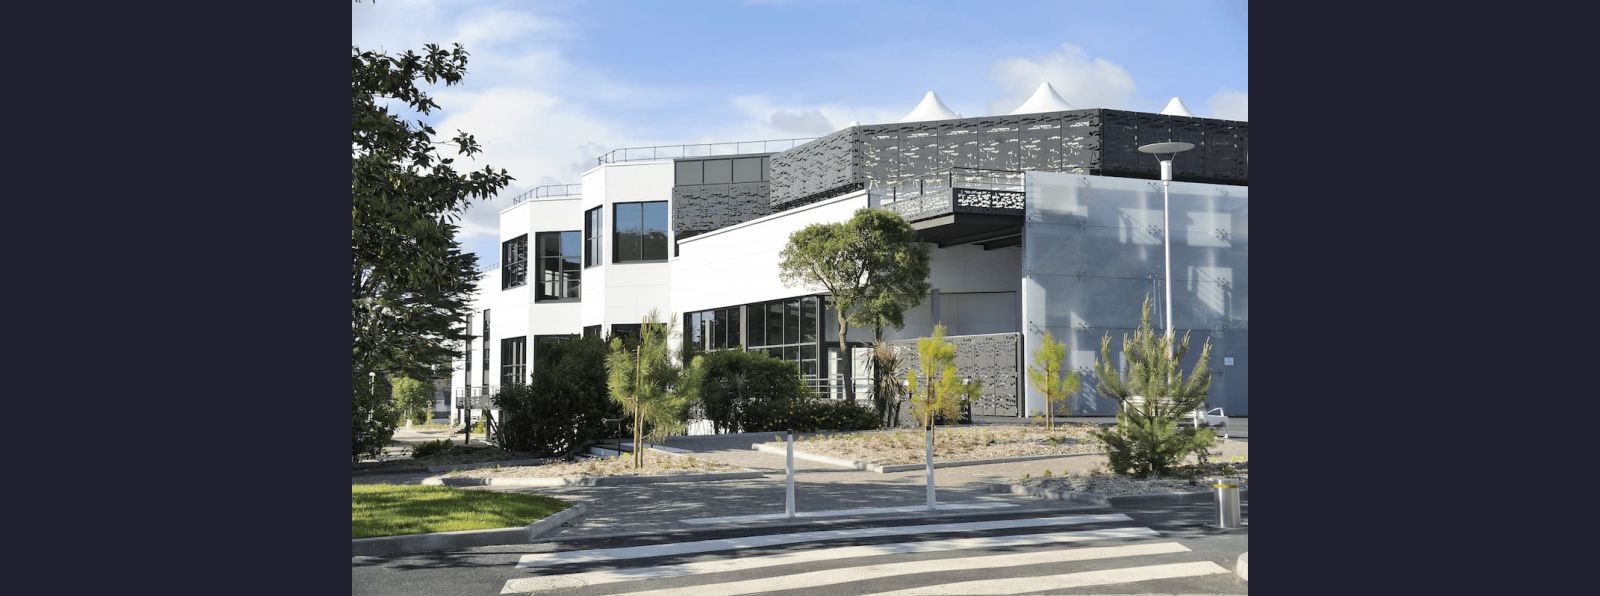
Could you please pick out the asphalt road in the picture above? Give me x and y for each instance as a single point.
(1163, 549)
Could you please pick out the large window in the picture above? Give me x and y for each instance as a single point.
(514, 361)
(786, 329)
(559, 273)
(591, 237)
(640, 232)
(514, 262)
(711, 330)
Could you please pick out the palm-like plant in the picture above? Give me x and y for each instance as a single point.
(891, 368)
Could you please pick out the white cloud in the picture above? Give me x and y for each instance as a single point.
(1083, 81)
(1230, 105)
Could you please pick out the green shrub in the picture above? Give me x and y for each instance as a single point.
(431, 448)
(372, 415)
(1147, 440)
(565, 403)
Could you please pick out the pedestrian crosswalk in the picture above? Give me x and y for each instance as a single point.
(926, 559)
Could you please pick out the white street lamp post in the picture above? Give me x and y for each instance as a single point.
(1165, 152)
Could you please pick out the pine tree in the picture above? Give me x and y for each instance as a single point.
(1154, 396)
(1045, 374)
(648, 383)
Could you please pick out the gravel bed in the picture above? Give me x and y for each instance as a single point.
(654, 464)
(952, 444)
(1112, 485)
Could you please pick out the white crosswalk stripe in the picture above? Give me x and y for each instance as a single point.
(855, 574)
(610, 576)
(1102, 577)
(1138, 556)
(704, 546)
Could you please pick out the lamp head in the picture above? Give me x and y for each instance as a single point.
(1165, 152)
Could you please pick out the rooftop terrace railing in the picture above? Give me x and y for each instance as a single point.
(548, 191)
(967, 190)
(700, 150)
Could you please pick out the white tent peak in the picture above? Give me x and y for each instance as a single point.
(1176, 108)
(930, 109)
(852, 124)
(1044, 99)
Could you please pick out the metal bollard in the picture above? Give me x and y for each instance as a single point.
(788, 500)
(1227, 502)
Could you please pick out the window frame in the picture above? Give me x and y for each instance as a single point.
(593, 228)
(567, 293)
(617, 256)
(510, 367)
(507, 265)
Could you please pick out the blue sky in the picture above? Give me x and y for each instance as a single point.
(552, 85)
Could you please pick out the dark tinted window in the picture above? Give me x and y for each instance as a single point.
(559, 274)
(641, 232)
(514, 262)
(591, 237)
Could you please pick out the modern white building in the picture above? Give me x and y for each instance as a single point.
(1045, 219)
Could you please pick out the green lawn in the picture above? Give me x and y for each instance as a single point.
(389, 510)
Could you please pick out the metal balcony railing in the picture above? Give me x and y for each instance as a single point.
(970, 190)
(700, 150)
(475, 396)
(548, 191)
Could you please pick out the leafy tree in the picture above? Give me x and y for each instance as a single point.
(566, 403)
(1045, 374)
(872, 265)
(409, 278)
(414, 399)
(649, 385)
(1154, 396)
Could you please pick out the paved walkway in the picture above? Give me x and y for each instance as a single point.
(664, 506)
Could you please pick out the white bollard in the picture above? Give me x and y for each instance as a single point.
(788, 501)
(930, 470)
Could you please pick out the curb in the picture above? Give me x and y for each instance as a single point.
(1243, 567)
(589, 480)
(1204, 496)
(891, 468)
(413, 543)
(603, 452)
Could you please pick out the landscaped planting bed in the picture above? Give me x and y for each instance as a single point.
(1188, 479)
(391, 510)
(655, 464)
(950, 444)
(455, 456)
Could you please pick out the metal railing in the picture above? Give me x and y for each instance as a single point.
(955, 189)
(700, 150)
(475, 396)
(548, 191)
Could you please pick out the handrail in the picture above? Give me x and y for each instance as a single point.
(548, 191)
(700, 150)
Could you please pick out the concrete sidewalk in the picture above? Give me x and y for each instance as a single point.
(657, 507)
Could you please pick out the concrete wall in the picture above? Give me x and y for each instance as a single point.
(624, 292)
(1092, 251)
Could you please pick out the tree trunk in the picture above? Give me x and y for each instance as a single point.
(638, 407)
(845, 360)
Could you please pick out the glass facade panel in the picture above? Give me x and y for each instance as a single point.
(808, 319)
(1092, 257)
(774, 323)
